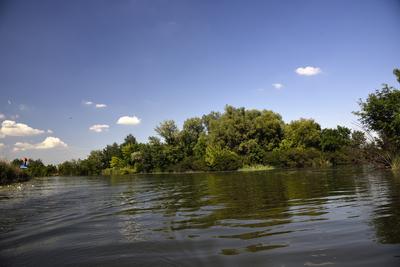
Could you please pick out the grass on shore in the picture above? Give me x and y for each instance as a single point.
(395, 164)
(128, 170)
(259, 167)
(11, 174)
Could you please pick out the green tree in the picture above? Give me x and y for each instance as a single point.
(358, 139)
(192, 129)
(303, 133)
(110, 151)
(127, 150)
(335, 139)
(168, 131)
(380, 113)
(36, 168)
(94, 162)
(252, 151)
(396, 72)
(267, 128)
(207, 119)
(117, 163)
(129, 139)
(238, 125)
(222, 159)
(153, 156)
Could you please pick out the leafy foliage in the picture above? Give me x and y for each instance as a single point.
(303, 133)
(222, 159)
(334, 139)
(380, 114)
(10, 173)
(237, 137)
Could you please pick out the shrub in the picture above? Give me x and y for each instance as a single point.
(219, 159)
(395, 164)
(293, 157)
(10, 173)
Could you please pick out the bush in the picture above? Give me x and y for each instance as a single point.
(10, 173)
(219, 159)
(294, 157)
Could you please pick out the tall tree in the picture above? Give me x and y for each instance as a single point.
(335, 139)
(192, 129)
(129, 139)
(380, 113)
(302, 133)
(168, 131)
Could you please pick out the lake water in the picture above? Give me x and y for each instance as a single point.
(342, 217)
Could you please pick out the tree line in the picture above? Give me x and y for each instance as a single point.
(226, 141)
(238, 138)
(10, 171)
(248, 138)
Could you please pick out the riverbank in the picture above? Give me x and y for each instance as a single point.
(10, 174)
(126, 171)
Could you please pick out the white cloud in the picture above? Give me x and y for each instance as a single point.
(91, 103)
(11, 128)
(48, 143)
(101, 105)
(50, 131)
(308, 71)
(277, 85)
(126, 120)
(9, 102)
(23, 107)
(98, 128)
(2, 116)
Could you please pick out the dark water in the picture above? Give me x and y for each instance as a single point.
(342, 217)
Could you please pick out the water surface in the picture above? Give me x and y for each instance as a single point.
(342, 217)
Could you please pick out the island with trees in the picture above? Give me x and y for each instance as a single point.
(244, 139)
(255, 140)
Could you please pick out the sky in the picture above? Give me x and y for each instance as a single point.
(78, 75)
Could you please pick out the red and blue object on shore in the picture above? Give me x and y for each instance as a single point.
(24, 164)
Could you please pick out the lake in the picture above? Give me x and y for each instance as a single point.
(333, 217)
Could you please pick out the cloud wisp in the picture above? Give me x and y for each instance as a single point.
(100, 105)
(308, 71)
(12, 128)
(48, 143)
(127, 120)
(277, 85)
(98, 128)
(96, 105)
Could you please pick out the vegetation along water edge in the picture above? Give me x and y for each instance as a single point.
(246, 140)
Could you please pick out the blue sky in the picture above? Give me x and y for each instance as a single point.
(157, 60)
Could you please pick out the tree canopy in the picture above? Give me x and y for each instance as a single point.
(224, 141)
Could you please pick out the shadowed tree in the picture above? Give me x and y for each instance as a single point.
(396, 72)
